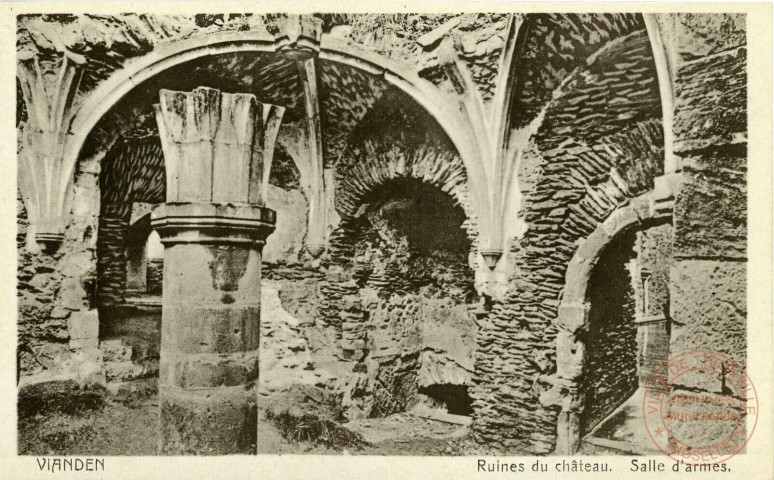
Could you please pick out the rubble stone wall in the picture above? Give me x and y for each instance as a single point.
(400, 255)
(57, 292)
(396, 146)
(599, 144)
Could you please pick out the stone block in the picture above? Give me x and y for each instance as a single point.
(76, 264)
(85, 199)
(711, 211)
(337, 275)
(287, 239)
(123, 371)
(72, 294)
(709, 308)
(353, 328)
(353, 345)
(593, 245)
(207, 370)
(699, 34)
(211, 329)
(569, 356)
(711, 105)
(620, 219)
(115, 351)
(351, 337)
(572, 316)
(81, 343)
(351, 316)
(87, 365)
(83, 325)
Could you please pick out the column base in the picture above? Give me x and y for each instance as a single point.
(211, 421)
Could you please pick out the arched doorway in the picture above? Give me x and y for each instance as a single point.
(627, 339)
(611, 334)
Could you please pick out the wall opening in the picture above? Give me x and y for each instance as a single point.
(453, 398)
(411, 239)
(628, 336)
(144, 263)
(407, 318)
(610, 373)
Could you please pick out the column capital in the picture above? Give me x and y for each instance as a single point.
(218, 147)
(185, 222)
(49, 89)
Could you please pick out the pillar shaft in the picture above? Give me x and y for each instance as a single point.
(213, 228)
(210, 325)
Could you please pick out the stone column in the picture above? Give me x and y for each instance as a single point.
(213, 228)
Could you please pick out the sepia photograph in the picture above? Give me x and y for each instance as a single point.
(394, 234)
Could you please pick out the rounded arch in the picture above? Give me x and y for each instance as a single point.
(399, 139)
(166, 56)
(638, 213)
(438, 169)
(379, 169)
(573, 312)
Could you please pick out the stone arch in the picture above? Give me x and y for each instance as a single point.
(397, 144)
(379, 170)
(393, 143)
(438, 169)
(110, 92)
(573, 311)
(582, 163)
(406, 274)
(392, 276)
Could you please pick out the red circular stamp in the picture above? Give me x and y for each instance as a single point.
(700, 407)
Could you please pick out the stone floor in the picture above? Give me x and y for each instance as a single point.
(623, 431)
(78, 422)
(68, 420)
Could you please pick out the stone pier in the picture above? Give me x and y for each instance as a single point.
(217, 151)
